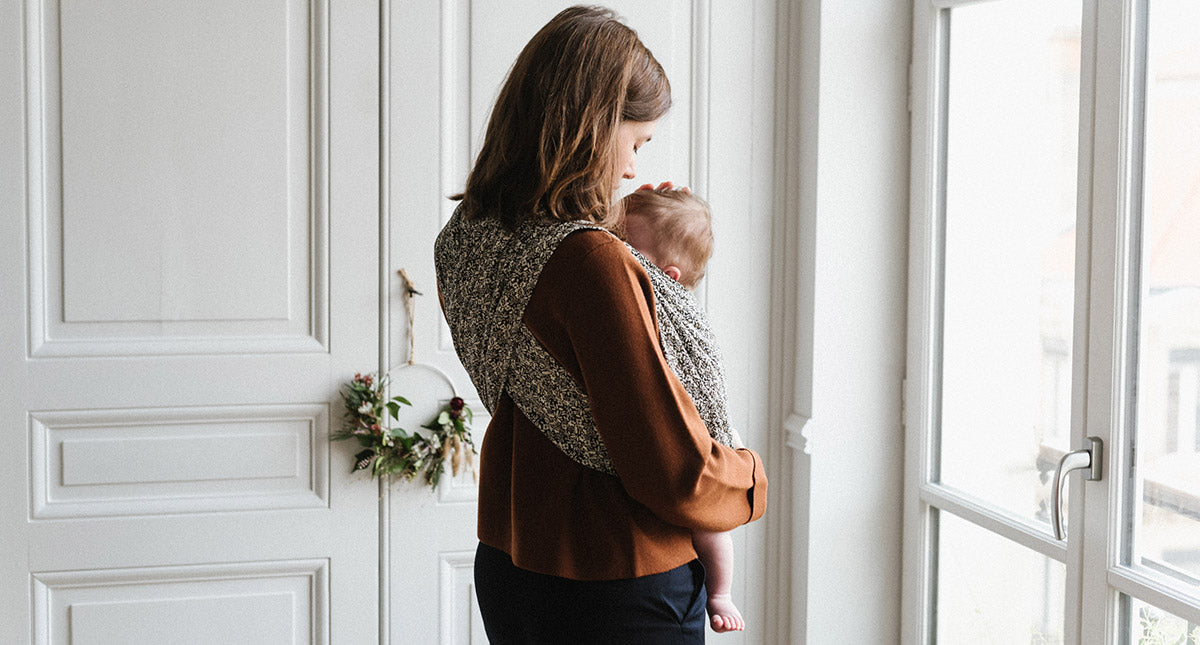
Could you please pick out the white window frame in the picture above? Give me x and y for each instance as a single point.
(1109, 195)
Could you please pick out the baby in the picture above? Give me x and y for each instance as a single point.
(673, 229)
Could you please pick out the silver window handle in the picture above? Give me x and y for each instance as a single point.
(1089, 460)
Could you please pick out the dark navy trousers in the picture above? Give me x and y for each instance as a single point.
(520, 606)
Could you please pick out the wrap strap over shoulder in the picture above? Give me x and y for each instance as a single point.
(486, 275)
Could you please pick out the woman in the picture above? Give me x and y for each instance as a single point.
(596, 466)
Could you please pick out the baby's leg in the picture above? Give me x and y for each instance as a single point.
(716, 552)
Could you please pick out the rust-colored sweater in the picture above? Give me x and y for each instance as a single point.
(593, 310)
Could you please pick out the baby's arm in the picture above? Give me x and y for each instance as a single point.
(716, 553)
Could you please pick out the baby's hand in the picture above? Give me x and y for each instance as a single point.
(666, 185)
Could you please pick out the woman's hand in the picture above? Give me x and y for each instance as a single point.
(666, 185)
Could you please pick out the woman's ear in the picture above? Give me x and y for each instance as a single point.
(672, 271)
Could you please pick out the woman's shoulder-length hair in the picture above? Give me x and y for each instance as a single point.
(551, 140)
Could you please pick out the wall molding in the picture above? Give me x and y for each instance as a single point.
(791, 329)
(64, 599)
(701, 126)
(304, 328)
(797, 429)
(156, 461)
(459, 620)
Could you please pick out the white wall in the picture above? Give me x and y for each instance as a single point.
(840, 318)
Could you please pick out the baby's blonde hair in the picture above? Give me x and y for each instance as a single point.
(680, 227)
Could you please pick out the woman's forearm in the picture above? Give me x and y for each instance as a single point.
(593, 310)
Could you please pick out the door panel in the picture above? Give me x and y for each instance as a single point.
(183, 122)
(178, 323)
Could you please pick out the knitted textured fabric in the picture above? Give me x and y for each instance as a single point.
(486, 276)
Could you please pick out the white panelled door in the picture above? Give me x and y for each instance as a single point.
(202, 216)
(1053, 309)
(187, 191)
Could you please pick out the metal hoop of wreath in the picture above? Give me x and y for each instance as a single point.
(395, 451)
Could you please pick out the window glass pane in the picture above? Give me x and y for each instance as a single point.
(1166, 504)
(1012, 133)
(991, 590)
(1148, 625)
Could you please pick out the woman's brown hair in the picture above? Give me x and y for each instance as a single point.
(551, 141)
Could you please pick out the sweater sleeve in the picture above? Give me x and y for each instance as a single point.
(593, 310)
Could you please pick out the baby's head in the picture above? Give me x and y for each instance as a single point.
(673, 229)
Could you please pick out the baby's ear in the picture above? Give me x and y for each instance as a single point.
(672, 271)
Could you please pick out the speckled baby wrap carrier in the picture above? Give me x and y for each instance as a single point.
(486, 275)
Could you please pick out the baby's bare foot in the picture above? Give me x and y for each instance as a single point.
(724, 615)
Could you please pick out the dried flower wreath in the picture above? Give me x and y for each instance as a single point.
(395, 451)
